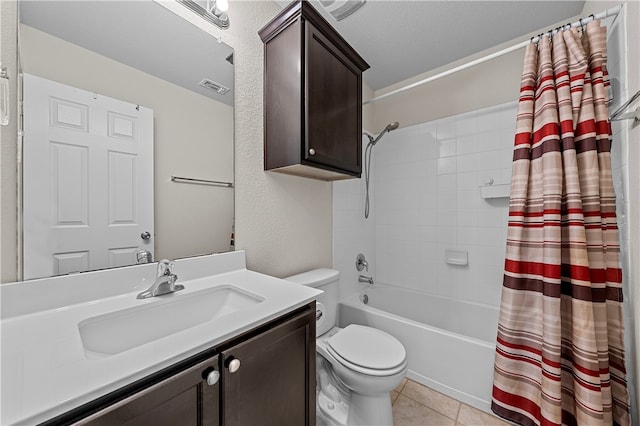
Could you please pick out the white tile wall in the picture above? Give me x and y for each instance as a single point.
(426, 199)
(617, 67)
(352, 234)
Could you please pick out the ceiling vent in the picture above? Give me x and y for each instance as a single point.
(212, 85)
(340, 9)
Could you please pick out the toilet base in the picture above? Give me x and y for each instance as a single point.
(334, 413)
(361, 410)
(370, 410)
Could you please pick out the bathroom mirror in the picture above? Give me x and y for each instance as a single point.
(144, 57)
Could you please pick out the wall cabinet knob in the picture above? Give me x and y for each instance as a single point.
(145, 235)
(312, 151)
(213, 377)
(233, 364)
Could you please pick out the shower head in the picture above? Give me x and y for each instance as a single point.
(367, 159)
(390, 127)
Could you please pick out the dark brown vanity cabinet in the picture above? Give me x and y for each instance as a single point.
(274, 383)
(312, 97)
(266, 376)
(183, 399)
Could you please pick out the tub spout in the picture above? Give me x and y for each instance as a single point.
(365, 279)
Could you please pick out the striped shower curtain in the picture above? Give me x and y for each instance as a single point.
(560, 352)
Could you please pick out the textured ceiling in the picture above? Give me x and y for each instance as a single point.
(401, 39)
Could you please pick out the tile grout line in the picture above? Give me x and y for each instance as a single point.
(403, 386)
(458, 413)
(432, 408)
(456, 420)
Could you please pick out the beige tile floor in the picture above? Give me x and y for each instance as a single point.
(418, 405)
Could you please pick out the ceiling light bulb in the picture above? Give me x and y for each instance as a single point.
(222, 5)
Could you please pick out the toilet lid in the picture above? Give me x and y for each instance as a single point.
(368, 347)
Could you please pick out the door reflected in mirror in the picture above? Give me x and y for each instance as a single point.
(100, 79)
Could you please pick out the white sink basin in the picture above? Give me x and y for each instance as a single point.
(118, 331)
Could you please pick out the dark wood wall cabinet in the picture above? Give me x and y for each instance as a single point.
(312, 97)
(266, 376)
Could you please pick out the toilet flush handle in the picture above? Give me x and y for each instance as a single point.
(318, 314)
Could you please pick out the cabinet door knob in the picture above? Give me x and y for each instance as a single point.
(233, 365)
(213, 377)
(145, 235)
(312, 151)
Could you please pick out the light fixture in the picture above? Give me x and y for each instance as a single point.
(213, 11)
(218, 7)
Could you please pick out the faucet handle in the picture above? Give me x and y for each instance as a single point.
(361, 263)
(164, 267)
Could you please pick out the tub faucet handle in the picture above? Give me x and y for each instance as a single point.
(361, 263)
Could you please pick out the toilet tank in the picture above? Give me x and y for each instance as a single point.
(324, 279)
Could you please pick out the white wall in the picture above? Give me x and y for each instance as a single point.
(193, 137)
(284, 222)
(492, 83)
(427, 200)
(352, 233)
(8, 149)
(617, 66)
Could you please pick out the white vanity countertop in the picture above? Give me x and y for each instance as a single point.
(46, 372)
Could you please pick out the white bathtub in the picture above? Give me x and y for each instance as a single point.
(450, 343)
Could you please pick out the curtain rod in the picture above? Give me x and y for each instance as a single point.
(618, 115)
(609, 12)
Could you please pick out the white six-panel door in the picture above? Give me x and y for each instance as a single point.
(87, 180)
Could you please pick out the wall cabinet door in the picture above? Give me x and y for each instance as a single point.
(270, 379)
(312, 97)
(334, 112)
(185, 399)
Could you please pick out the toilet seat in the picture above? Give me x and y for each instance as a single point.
(367, 350)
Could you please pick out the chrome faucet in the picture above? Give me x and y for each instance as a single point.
(365, 279)
(165, 281)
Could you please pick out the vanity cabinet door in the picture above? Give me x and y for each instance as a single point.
(184, 399)
(270, 379)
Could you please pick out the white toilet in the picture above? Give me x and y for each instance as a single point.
(357, 366)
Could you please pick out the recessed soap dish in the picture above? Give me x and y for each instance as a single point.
(501, 190)
(456, 257)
